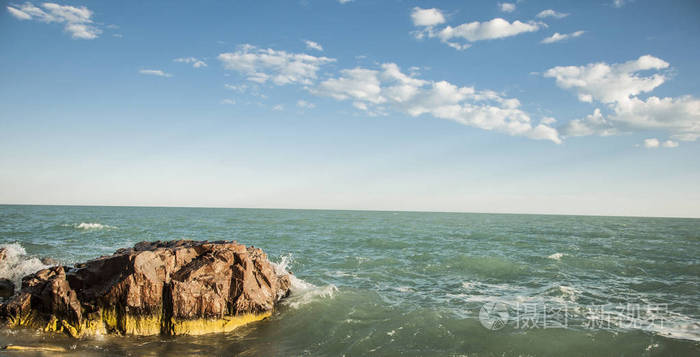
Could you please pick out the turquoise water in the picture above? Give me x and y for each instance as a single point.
(404, 283)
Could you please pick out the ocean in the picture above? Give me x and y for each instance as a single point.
(406, 283)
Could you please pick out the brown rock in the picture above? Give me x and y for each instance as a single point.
(7, 288)
(170, 288)
(3, 254)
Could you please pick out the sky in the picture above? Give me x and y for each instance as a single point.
(554, 107)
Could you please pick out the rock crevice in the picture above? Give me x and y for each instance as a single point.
(168, 288)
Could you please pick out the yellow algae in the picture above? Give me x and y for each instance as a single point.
(141, 325)
(205, 326)
(116, 322)
(125, 323)
(110, 320)
(34, 348)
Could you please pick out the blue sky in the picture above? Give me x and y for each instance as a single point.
(564, 107)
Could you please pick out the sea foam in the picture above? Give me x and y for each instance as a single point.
(302, 292)
(91, 226)
(556, 256)
(18, 264)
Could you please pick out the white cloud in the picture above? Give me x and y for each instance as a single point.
(488, 30)
(279, 67)
(506, 6)
(375, 91)
(77, 20)
(196, 63)
(651, 143)
(427, 17)
(551, 13)
(609, 83)
(304, 104)
(670, 144)
(590, 125)
(278, 108)
(618, 87)
(19, 13)
(228, 101)
(155, 72)
(654, 143)
(345, 1)
(557, 37)
(471, 32)
(313, 45)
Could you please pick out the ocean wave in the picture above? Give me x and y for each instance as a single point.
(302, 292)
(556, 256)
(18, 264)
(89, 226)
(563, 294)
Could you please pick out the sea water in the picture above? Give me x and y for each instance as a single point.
(406, 283)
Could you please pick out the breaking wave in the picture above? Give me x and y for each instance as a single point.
(302, 292)
(556, 256)
(91, 226)
(17, 263)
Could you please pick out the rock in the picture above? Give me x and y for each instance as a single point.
(7, 288)
(3, 254)
(167, 288)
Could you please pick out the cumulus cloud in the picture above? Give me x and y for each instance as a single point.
(551, 13)
(557, 37)
(196, 63)
(654, 143)
(155, 72)
(279, 67)
(609, 83)
(76, 20)
(313, 45)
(376, 91)
(618, 87)
(506, 6)
(427, 17)
(592, 124)
(488, 30)
(455, 37)
(670, 144)
(651, 143)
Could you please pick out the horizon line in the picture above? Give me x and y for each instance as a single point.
(343, 209)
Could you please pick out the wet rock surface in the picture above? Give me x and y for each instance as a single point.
(167, 288)
(7, 288)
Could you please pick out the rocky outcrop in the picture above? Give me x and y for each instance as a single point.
(7, 288)
(167, 288)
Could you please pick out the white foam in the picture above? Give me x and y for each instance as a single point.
(91, 226)
(17, 263)
(569, 294)
(675, 325)
(301, 292)
(556, 256)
